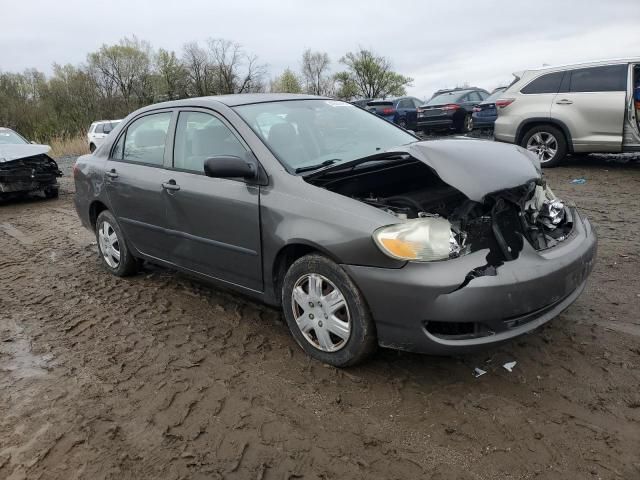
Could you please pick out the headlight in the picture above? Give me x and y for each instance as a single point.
(420, 240)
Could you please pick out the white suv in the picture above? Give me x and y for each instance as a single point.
(98, 131)
(585, 107)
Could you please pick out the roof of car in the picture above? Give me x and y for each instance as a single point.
(240, 99)
(593, 63)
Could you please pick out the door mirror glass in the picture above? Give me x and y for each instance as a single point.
(229, 166)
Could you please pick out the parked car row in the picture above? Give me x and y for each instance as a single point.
(553, 111)
(447, 110)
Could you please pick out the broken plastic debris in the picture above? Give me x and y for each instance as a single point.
(478, 372)
(509, 366)
(578, 181)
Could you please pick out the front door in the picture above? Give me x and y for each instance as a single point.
(591, 103)
(133, 178)
(214, 222)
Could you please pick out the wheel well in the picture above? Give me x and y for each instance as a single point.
(94, 210)
(524, 128)
(285, 258)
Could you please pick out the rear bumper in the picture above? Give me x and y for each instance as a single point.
(440, 122)
(484, 121)
(524, 294)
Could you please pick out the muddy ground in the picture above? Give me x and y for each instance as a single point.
(159, 376)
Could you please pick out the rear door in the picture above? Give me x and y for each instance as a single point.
(133, 179)
(407, 111)
(591, 103)
(214, 222)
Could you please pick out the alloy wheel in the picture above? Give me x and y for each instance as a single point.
(321, 312)
(468, 123)
(109, 245)
(544, 145)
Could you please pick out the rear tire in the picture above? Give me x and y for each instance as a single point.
(112, 246)
(547, 142)
(92, 148)
(313, 287)
(466, 125)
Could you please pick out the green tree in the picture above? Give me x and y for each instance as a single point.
(170, 75)
(287, 82)
(128, 67)
(372, 76)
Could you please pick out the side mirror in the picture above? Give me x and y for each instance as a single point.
(229, 166)
(33, 142)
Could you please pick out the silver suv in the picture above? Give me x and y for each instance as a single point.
(583, 108)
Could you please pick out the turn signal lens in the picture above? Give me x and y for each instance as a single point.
(421, 240)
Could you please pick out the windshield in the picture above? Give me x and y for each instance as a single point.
(304, 133)
(444, 98)
(9, 137)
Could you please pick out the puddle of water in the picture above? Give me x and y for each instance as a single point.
(21, 363)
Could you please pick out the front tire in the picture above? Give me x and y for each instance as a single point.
(112, 246)
(548, 143)
(326, 313)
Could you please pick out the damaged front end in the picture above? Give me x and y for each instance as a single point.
(490, 251)
(27, 168)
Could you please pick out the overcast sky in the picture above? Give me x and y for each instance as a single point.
(438, 44)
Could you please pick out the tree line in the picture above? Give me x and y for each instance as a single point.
(119, 78)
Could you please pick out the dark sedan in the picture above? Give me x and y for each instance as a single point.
(363, 234)
(485, 113)
(450, 110)
(401, 110)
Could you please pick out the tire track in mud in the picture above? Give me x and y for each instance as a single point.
(158, 376)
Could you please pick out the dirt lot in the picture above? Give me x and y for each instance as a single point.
(159, 376)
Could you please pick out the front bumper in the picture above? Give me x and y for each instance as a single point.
(524, 294)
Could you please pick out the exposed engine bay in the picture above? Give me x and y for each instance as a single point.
(411, 190)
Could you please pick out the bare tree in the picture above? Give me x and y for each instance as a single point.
(199, 70)
(315, 72)
(234, 71)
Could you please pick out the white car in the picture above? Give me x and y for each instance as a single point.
(582, 108)
(98, 131)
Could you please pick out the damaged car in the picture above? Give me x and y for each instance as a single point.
(363, 234)
(25, 167)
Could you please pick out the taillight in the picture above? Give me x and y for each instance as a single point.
(477, 109)
(451, 106)
(388, 111)
(504, 102)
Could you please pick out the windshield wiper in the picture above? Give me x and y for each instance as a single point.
(381, 156)
(309, 168)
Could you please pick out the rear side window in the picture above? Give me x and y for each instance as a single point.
(200, 136)
(145, 138)
(612, 78)
(99, 128)
(549, 83)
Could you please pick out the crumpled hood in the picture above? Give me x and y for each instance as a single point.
(15, 152)
(476, 167)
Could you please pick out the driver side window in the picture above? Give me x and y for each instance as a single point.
(200, 136)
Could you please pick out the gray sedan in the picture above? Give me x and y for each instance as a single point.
(363, 234)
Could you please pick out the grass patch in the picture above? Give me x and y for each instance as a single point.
(68, 146)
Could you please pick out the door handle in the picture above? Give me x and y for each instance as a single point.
(564, 101)
(112, 173)
(171, 185)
